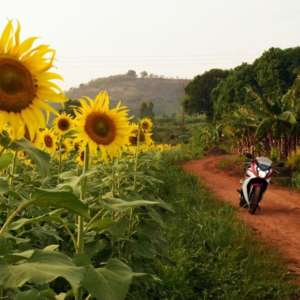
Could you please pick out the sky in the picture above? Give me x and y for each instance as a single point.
(174, 38)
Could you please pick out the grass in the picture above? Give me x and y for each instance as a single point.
(212, 255)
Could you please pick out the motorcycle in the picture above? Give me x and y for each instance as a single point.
(258, 177)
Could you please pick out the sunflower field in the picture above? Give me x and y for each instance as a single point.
(80, 215)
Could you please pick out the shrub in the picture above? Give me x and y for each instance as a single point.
(293, 160)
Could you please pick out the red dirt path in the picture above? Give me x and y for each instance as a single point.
(278, 221)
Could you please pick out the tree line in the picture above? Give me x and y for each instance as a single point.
(256, 105)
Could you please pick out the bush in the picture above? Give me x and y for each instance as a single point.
(296, 180)
(293, 160)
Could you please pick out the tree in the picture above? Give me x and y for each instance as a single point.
(144, 74)
(259, 104)
(231, 92)
(131, 73)
(147, 110)
(198, 92)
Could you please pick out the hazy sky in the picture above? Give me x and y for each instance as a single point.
(95, 38)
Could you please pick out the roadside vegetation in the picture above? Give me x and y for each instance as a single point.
(210, 253)
(255, 108)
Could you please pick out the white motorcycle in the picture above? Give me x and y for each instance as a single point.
(258, 177)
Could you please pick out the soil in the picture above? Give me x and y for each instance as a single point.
(278, 220)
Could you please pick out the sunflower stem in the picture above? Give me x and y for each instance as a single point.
(59, 160)
(80, 244)
(136, 157)
(87, 227)
(65, 225)
(12, 170)
(2, 151)
(80, 224)
(10, 218)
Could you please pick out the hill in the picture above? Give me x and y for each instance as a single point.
(165, 93)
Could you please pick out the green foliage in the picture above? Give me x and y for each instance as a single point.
(42, 253)
(198, 92)
(212, 254)
(231, 92)
(60, 199)
(40, 158)
(204, 137)
(271, 76)
(5, 160)
(258, 105)
(296, 180)
(176, 130)
(293, 160)
(147, 110)
(43, 266)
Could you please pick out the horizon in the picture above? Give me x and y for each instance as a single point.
(171, 38)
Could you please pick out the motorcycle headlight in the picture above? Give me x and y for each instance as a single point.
(262, 174)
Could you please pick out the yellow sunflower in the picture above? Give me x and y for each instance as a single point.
(26, 85)
(101, 127)
(146, 124)
(63, 123)
(64, 147)
(24, 157)
(138, 136)
(48, 141)
(80, 155)
(77, 144)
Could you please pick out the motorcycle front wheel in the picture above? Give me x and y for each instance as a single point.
(254, 199)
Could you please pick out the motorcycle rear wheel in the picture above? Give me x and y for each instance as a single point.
(254, 199)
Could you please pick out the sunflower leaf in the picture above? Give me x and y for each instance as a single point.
(40, 267)
(40, 158)
(5, 160)
(60, 199)
(110, 282)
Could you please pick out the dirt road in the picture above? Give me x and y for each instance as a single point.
(278, 222)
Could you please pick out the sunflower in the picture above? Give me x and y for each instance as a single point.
(64, 147)
(80, 155)
(48, 141)
(138, 136)
(24, 157)
(146, 124)
(101, 127)
(63, 123)
(77, 144)
(26, 85)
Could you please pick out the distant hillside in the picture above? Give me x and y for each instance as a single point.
(132, 90)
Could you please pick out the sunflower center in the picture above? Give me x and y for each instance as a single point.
(82, 156)
(145, 125)
(133, 139)
(76, 146)
(63, 124)
(100, 128)
(48, 141)
(17, 88)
